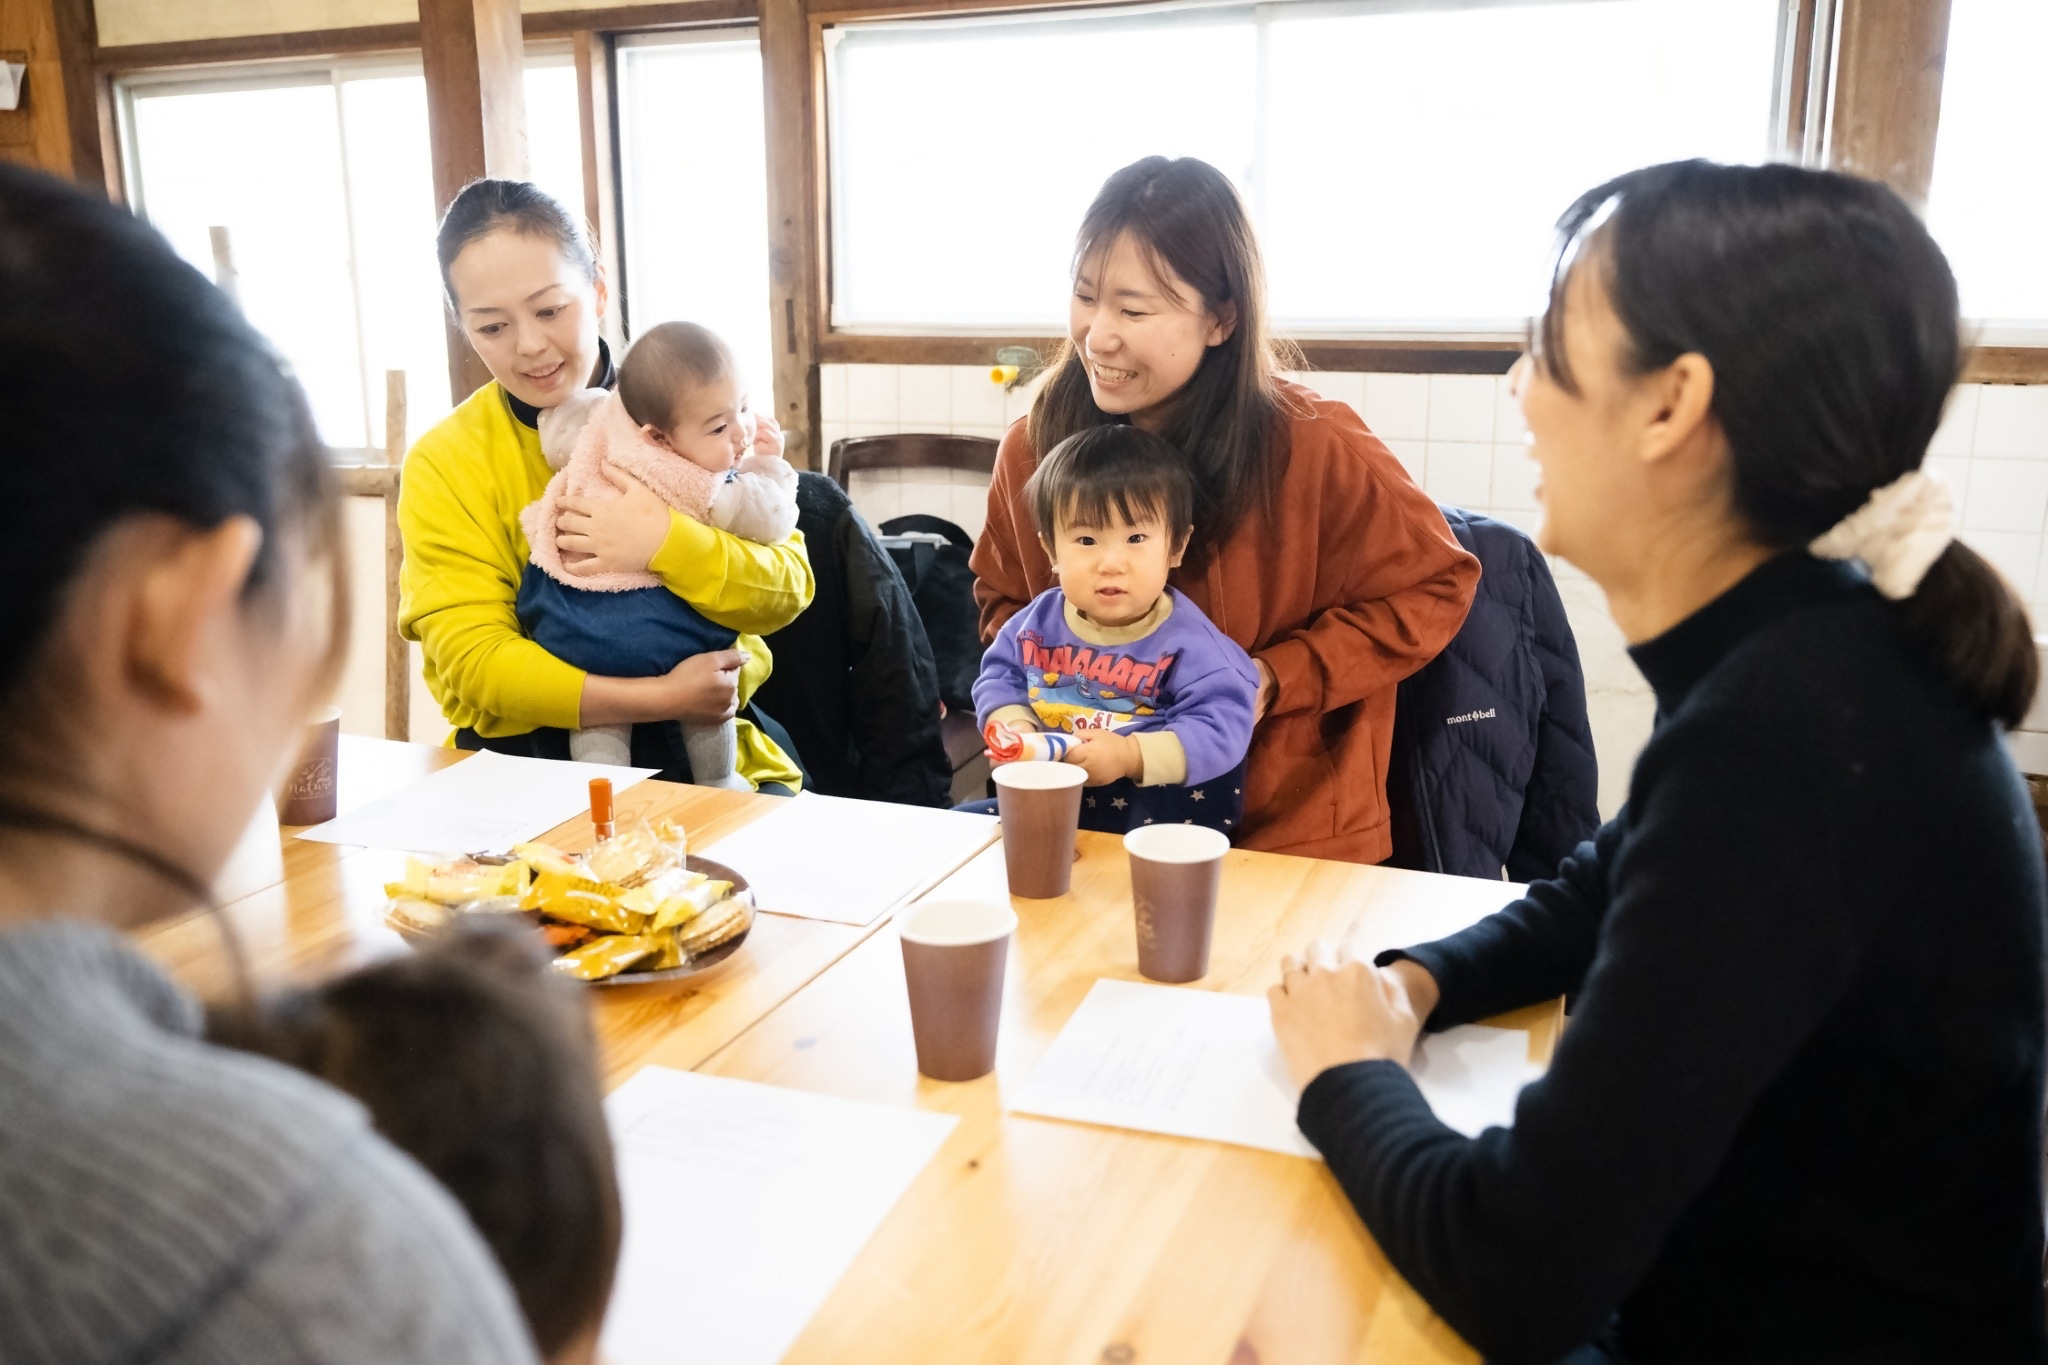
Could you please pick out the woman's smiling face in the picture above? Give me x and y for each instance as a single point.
(1140, 330)
(531, 313)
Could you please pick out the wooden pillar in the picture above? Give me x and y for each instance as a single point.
(1887, 91)
(792, 81)
(600, 171)
(474, 58)
(66, 111)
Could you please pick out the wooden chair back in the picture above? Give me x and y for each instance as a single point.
(972, 454)
(381, 481)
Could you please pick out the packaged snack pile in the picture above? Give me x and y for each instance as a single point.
(630, 905)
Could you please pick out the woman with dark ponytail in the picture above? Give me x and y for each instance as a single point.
(173, 611)
(1797, 1115)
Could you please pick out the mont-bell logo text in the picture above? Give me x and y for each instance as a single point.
(1488, 714)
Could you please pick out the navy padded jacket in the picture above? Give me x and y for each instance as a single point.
(1493, 762)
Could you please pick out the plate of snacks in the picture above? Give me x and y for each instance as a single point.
(635, 909)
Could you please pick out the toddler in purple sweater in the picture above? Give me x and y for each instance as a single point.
(1113, 670)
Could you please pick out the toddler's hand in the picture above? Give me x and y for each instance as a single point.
(1107, 757)
(767, 435)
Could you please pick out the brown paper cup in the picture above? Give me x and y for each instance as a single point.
(953, 955)
(1040, 807)
(1174, 873)
(309, 797)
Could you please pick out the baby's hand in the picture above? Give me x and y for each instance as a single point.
(767, 435)
(1107, 757)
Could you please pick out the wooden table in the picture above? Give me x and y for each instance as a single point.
(310, 909)
(1032, 1240)
(1025, 1239)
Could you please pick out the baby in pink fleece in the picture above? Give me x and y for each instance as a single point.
(679, 424)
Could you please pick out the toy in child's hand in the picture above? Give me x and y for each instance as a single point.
(1008, 744)
(1107, 757)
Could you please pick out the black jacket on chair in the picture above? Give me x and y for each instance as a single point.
(1493, 761)
(854, 682)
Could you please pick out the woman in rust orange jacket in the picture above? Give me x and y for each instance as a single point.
(1313, 549)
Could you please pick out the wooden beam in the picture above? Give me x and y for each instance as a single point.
(1887, 91)
(2006, 365)
(373, 38)
(57, 126)
(597, 113)
(474, 60)
(791, 74)
(1344, 354)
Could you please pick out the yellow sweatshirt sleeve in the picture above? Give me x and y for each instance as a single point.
(741, 584)
(463, 561)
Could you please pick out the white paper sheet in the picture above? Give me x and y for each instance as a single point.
(825, 857)
(744, 1205)
(484, 804)
(1199, 1064)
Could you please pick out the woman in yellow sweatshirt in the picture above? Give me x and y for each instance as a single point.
(529, 296)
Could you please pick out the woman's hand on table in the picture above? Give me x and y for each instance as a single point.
(612, 534)
(703, 689)
(1331, 1008)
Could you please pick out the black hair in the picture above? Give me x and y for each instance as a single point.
(483, 206)
(1829, 317)
(661, 362)
(1121, 468)
(480, 1064)
(131, 385)
(1185, 216)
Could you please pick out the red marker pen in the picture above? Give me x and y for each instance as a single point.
(601, 807)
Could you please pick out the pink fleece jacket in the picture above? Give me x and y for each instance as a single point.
(612, 438)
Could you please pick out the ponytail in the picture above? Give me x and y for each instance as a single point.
(1966, 618)
(1830, 319)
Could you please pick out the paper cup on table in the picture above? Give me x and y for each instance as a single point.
(310, 794)
(953, 956)
(1174, 873)
(1040, 807)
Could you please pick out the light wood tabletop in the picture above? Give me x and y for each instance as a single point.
(316, 908)
(1033, 1240)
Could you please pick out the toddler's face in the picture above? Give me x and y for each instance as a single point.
(713, 425)
(1114, 574)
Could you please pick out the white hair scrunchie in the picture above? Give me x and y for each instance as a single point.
(1898, 533)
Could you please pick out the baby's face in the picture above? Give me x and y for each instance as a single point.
(1114, 574)
(713, 425)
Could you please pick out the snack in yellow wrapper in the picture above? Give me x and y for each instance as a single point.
(594, 904)
(607, 955)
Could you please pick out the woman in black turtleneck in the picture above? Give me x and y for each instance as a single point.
(1796, 1115)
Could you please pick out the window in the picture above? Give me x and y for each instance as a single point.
(321, 176)
(694, 191)
(1986, 206)
(1403, 164)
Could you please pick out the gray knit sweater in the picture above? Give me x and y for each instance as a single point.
(163, 1200)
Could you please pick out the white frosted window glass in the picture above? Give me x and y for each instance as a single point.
(1989, 198)
(266, 165)
(695, 195)
(554, 132)
(967, 218)
(1403, 166)
(1417, 161)
(391, 182)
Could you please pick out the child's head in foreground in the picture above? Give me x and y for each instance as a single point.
(678, 382)
(1114, 507)
(480, 1064)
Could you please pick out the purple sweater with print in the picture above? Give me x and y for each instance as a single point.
(1187, 677)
